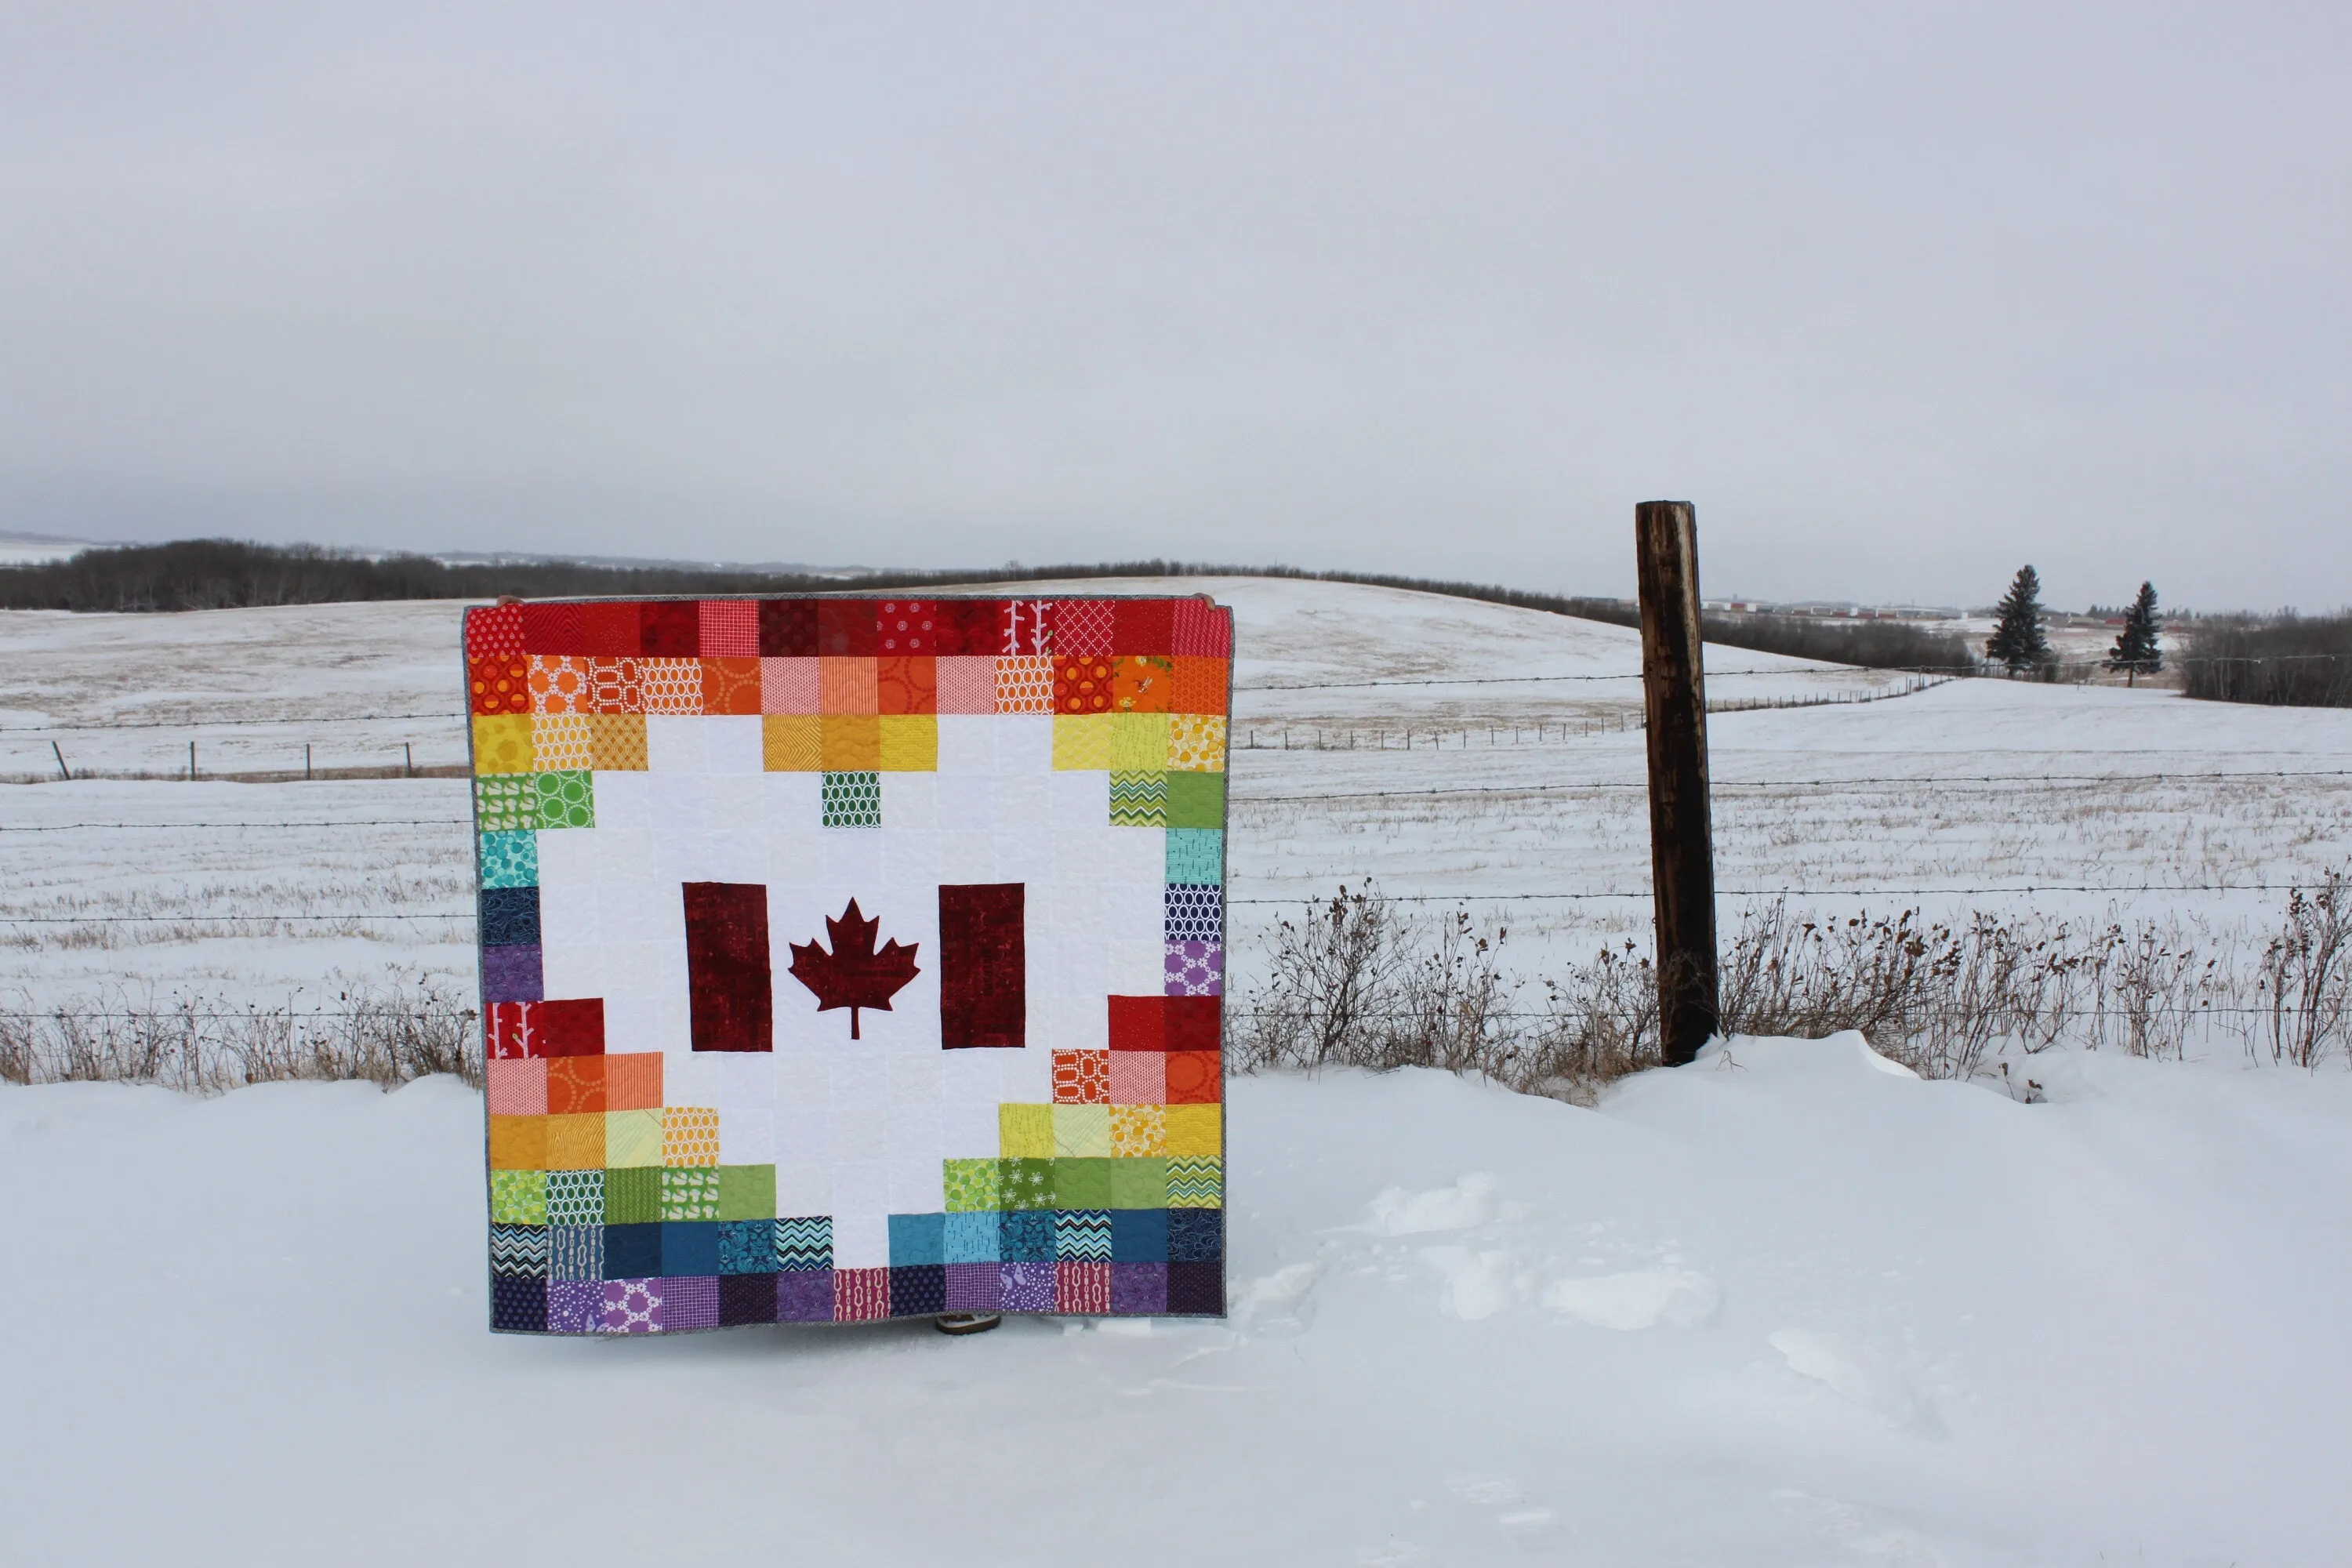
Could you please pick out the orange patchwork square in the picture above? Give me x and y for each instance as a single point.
(850, 742)
(1142, 683)
(847, 685)
(1195, 1078)
(671, 685)
(576, 1143)
(500, 685)
(633, 1082)
(1083, 685)
(1199, 686)
(691, 1135)
(575, 1085)
(518, 1143)
(731, 685)
(905, 684)
(561, 684)
(1081, 1078)
(614, 686)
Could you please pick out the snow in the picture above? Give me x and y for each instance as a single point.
(1784, 1307)
(1916, 801)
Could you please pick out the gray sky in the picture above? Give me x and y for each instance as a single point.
(1900, 295)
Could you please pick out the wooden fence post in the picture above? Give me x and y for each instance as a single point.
(1682, 851)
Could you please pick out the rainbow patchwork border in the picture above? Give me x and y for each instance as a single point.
(847, 958)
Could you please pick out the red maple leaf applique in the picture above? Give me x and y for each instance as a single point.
(853, 975)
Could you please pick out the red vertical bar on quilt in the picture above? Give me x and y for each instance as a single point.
(983, 965)
(731, 996)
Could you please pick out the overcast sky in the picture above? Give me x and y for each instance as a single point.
(1900, 295)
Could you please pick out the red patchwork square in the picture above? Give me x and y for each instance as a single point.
(966, 627)
(570, 1028)
(1082, 685)
(1082, 1287)
(906, 626)
(1138, 1024)
(551, 628)
(670, 628)
(500, 685)
(1080, 627)
(493, 631)
(845, 629)
(905, 685)
(616, 686)
(788, 628)
(610, 631)
(1137, 1078)
(730, 628)
(518, 1088)
(1194, 1023)
(1082, 1078)
(1023, 626)
(1200, 627)
(1195, 1078)
(730, 685)
(862, 1294)
(1143, 625)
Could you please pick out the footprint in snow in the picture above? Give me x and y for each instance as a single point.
(1469, 1204)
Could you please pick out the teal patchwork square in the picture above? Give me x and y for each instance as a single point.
(851, 800)
(510, 859)
(565, 799)
(971, 1237)
(1196, 855)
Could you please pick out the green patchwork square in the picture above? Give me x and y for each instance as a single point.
(1082, 1131)
(1196, 855)
(575, 1197)
(632, 1138)
(1026, 1184)
(519, 1197)
(851, 800)
(510, 859)
(633, 1196)
(1140, 1183)
(747, 1192)
(1082, 1183)
(1196, 1183)
(689, 1192)
(1196, 800)
(1138, 799)
(972, 1185)
(505, 803)
(563, 800)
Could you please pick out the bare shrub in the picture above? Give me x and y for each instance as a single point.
(2305, 980)
(386, 1036)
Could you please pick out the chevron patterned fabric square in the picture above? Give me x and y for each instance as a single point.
(787, 1021)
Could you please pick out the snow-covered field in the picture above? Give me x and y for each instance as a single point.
(1787, 1307)
(1947, 800)
(1783, 1308)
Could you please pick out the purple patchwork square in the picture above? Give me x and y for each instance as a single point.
(511, 974)
(1195, 968)
(690, 1301)
(574, 1306)
(1138, 1288)
(975, 1288)
(631, 1307)
(804, 1296)
(1028, 1287)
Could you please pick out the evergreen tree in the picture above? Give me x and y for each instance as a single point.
(2017, 643)
(2136, 646)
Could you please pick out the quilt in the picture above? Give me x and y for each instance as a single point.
(850, 958)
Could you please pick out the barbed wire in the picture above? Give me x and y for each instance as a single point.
(1810, 893)
(321, 720)
(1242, 797)
(212, 826)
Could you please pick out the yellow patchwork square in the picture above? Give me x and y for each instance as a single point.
(1082, 1131)
(791, 742)
(503, 743)
(690, 1135)
(518, 1143)
(1024, 1131)
(1138, 1131)
(563, 743)
(618, 741)
(851, 743)
(1194, 1132)
(1082, 741)
(1196, 743)
(576, 1143)
(910, 743)
(633, 1138)
(1139, 741)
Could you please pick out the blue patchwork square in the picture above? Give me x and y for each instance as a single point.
(1196, 855)
(1027, 1236)
(1196, 1235)
(509, 917)
(632, 1251)
(917, 1238)
(1139, 1235)
(690, 1246)
(747, 1246)
(1082, 1235)
(972, 1237)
